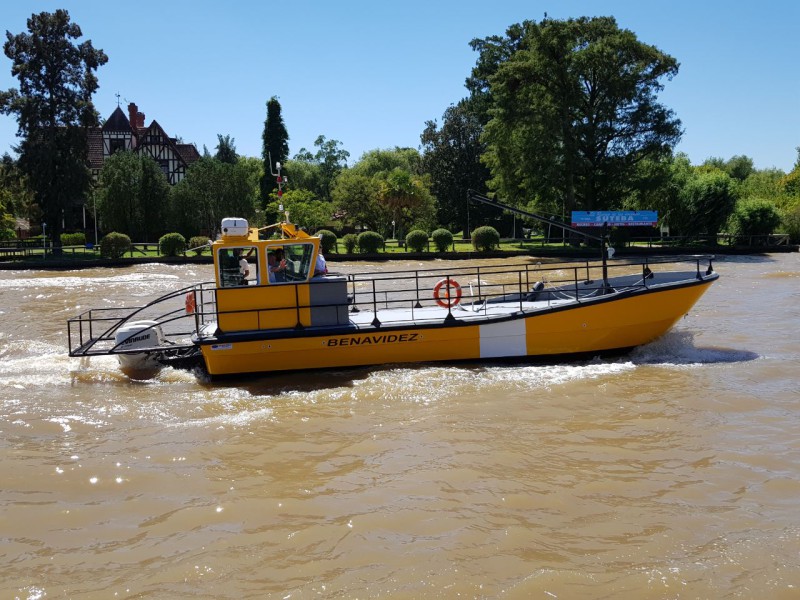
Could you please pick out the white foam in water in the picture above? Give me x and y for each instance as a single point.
(426, 384)
(61, 283)
(677, 348)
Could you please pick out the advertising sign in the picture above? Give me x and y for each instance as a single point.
(622, 218)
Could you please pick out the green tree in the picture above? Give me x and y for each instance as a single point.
(211, 191)
(452, 159)
(791, 223)
(304, 209)
(305, 175)
(54, 107)
(275, 148)
(791, 183)
(226, 149)
(133, 196)
(740, 167)
(408, 199)
(574, 110)
(15, 196)
(254, 168)
(328, 161)
(385, 185)
(355, 200)
(753, 217)
(708, 198)
(766, 183)
(377, 162)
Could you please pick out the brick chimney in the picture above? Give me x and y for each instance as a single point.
(135, 117)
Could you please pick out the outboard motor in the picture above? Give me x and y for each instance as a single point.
(135, 335)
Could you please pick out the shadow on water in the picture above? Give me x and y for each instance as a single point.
(678, 348)
(276, 384)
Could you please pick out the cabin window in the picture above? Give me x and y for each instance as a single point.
(238, 266)
(289, 263)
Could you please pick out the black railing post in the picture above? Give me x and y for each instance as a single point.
(449, 316)
(376, 322)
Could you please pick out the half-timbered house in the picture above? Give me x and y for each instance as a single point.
(128, 132)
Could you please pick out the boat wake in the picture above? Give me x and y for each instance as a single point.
(678, 348)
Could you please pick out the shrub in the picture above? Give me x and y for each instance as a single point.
(73, 239)
(199, 244)
(753, 217)
(114, 245)
(485, 238)
(442, 239)
(171, 244)
(350, 241)
(328, 242)
(370, 242)
(417, 240)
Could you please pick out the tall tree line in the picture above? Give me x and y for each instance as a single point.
(559, 115)
(54, 108)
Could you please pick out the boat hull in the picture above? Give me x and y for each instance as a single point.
(620, 322)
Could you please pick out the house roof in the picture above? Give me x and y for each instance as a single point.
(188, 153)
(117, 122)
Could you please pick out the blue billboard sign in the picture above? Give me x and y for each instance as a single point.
(620, 218)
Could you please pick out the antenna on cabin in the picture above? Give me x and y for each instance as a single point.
(281, 180)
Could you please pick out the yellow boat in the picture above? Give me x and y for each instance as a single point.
(273, 307)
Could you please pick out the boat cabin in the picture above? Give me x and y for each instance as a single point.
(265, 282)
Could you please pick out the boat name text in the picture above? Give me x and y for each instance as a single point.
(388, 338)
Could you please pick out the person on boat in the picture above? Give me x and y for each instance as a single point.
(321, 268)
(277, 266)
(244, 266)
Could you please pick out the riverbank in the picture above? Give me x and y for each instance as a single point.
(561, 253)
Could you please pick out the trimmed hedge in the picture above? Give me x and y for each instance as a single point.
(171, 244)
(442, 239)
(350, 241)
(369, 242)
(485, 238)
(328, 243)
(114, 245)
(417, 240)
(73, 239)
(199, 244)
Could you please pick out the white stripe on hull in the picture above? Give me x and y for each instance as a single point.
(506, 338)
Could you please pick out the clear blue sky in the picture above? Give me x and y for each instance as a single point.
(371, 73)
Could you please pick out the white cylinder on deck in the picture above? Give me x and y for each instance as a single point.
(233, 227)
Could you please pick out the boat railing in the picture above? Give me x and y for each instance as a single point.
(389, 297)
(386, 297)
(93, 331)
